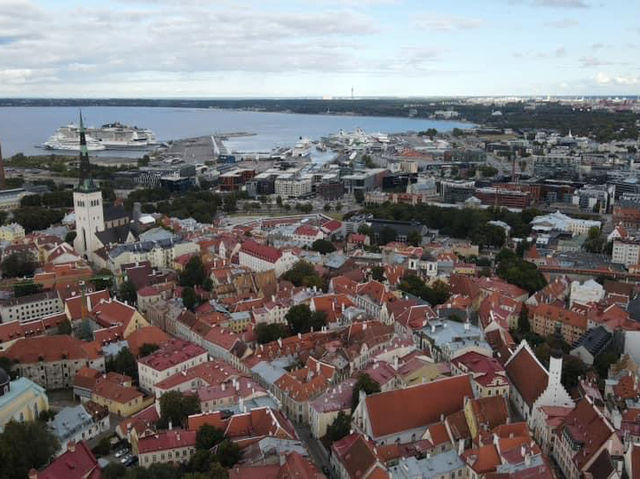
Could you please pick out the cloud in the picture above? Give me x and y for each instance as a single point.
(563, 23)
(624, 80)
(561, 3)
(589, 62)
(442, 23)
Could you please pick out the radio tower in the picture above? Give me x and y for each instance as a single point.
(3, 184)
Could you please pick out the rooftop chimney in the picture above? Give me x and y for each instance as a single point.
(71, 446)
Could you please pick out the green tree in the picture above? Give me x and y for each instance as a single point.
(208, 436)
(523, 320)
(304, 274)
(201, 461)
(279, 200)
(84, 331)
(457, 132)
(228, 453)
(65, 328)
(70, 237)
(18, 264)
(147, 348)
(363, 383)
(327, 207)
(34, 218)
(364, 229)
(113, 470)
(377, 273)
(189, 297)
(339, 428)
(25, 445)
(302, 320)
(266, 333)
(103, 448)
(175, 407)
(323, 246)
(414, 238)
(359, 196)
(194, 273)
(515, 270)
(595, 242)
(338, 206)
(123, 363)
(128, 292)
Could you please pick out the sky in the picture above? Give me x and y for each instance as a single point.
(318, 48)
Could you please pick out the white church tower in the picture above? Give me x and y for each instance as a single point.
(87, 204)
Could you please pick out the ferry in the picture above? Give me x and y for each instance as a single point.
(112, 136)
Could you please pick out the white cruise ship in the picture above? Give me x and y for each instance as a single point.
(112, 136)
(68, 138)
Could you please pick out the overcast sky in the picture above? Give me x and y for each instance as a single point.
(273, 48)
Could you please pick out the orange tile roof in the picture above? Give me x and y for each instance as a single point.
(147, 335)
(445, 396)
(49, 348)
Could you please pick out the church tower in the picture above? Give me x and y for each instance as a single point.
(87, 203)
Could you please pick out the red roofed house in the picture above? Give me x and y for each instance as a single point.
(146, 335)
(119, 396)
(79, 307)
(293, 465)
(585, 434)
(296, 388)
(260, 257)
(356, 457)
(421, 406)
(78, 462)
(307, 234)
(532, 386)
(113, 312)
(173, 446)
(544, 317)
(173, 356)
(488, 376)
(247, 428)
(53, 361)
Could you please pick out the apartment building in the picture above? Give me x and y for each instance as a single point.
(32, 306)
(174, 356)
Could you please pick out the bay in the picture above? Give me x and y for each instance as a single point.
(24, 129)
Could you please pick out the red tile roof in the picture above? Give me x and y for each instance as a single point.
(167, 440)
(422, 405)
(357, 455)
(49, 348)
(261, 251)
(148, 335)
(116, 392)
(78, 462)
(486, 371)
(173, 352)
(74, 304)
(527, 375)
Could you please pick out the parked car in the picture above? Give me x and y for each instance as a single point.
(121, 452)
(125, 458)
(131, 461)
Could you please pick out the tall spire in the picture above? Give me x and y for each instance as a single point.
(85, 181)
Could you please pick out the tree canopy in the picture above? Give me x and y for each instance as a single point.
(18, 264)
(437, 293)
(175, 407)
(25, 445)
(323, 246)
(303, 274)
(301, 319)
(515, 270)
(364, 383)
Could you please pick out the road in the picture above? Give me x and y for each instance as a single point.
(318, 452)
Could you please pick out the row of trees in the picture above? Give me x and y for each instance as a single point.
(513, 269)
(466, 223)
